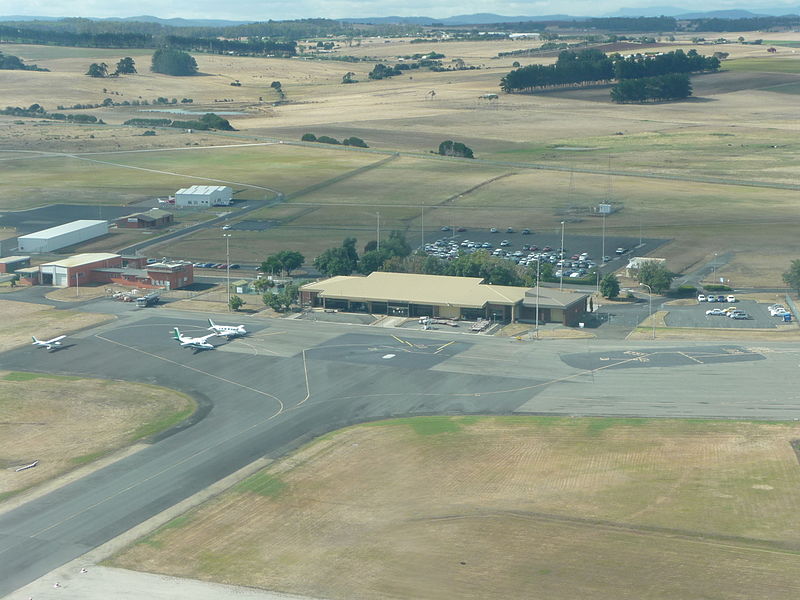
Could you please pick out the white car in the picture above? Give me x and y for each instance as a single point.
(778, 312)
(701, 298)
(716, 311)
(731, 298)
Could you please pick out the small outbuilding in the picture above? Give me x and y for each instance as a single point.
(10, 264)
(151, 219)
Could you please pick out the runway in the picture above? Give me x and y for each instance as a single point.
(290, 381)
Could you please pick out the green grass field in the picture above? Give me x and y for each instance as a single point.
(499, 507)
(765, 65)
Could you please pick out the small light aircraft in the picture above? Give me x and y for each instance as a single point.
(49, 344)
(227, 330)
(200, 343)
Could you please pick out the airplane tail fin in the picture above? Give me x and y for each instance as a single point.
(211, 324)
(176, 333)
(35, 341)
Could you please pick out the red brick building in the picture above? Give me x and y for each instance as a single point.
(101, 267)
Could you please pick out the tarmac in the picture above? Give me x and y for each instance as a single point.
(290, 381)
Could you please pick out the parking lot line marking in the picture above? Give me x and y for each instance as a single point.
(691, 358)
(443, 346)
(308, 387)
(403, 341)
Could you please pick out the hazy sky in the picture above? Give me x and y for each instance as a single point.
(260, 10)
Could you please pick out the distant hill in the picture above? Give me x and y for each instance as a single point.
(177, 22)
(681, 13)
(475, 19)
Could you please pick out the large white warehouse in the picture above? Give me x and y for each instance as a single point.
(204, 195)
(69, 234)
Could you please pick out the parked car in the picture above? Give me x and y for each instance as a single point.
(711, 298)
(461, 229)
(701, 297)
(620, 251)
(493, 230)
(235, 266)
(509, 230)
(226, 227)
(739, 315)
(505, 243)
(716, 311)
(721, 299)
(526, 231)
(444, 228)
(606, 259)
(730, 298)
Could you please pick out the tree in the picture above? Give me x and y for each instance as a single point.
(263, 284)
(355, 141)
(173, 62)
(276, 85)
(126, 66)
(792, 276)
(289, 260)
(372, 260)
(451, 148)
(308, 137)
(236, 302)
(655, 275)
(338, 261)
(609, 286)
(349, 77)
(282, 300)
(97, 70)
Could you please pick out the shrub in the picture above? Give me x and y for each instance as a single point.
(308, 137)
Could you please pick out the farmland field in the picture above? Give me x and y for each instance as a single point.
(506, 507)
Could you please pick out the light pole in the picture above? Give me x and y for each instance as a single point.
(538, 288)
(227, 237)
(77, 285)
(650, 300)
(561, 279)
(378, 230)
(422, 230)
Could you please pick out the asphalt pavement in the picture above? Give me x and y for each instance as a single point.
(292, 380)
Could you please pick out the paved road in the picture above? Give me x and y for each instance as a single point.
(293, 380)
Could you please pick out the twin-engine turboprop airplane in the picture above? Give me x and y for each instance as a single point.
(227, 330)
(190, 342)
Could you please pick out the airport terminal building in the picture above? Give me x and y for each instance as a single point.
(414, 295)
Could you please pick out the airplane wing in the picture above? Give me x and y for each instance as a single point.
(54, 340)
(205, 338)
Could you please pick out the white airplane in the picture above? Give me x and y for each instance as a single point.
(189, 342)
(227, 330)
(49, 344)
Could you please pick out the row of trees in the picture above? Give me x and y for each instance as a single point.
(325, 139)
(126, 66)
(206, 122)
(592, 66)
(664, 87)
(394, 255)
(38, 111)
(678, 61)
